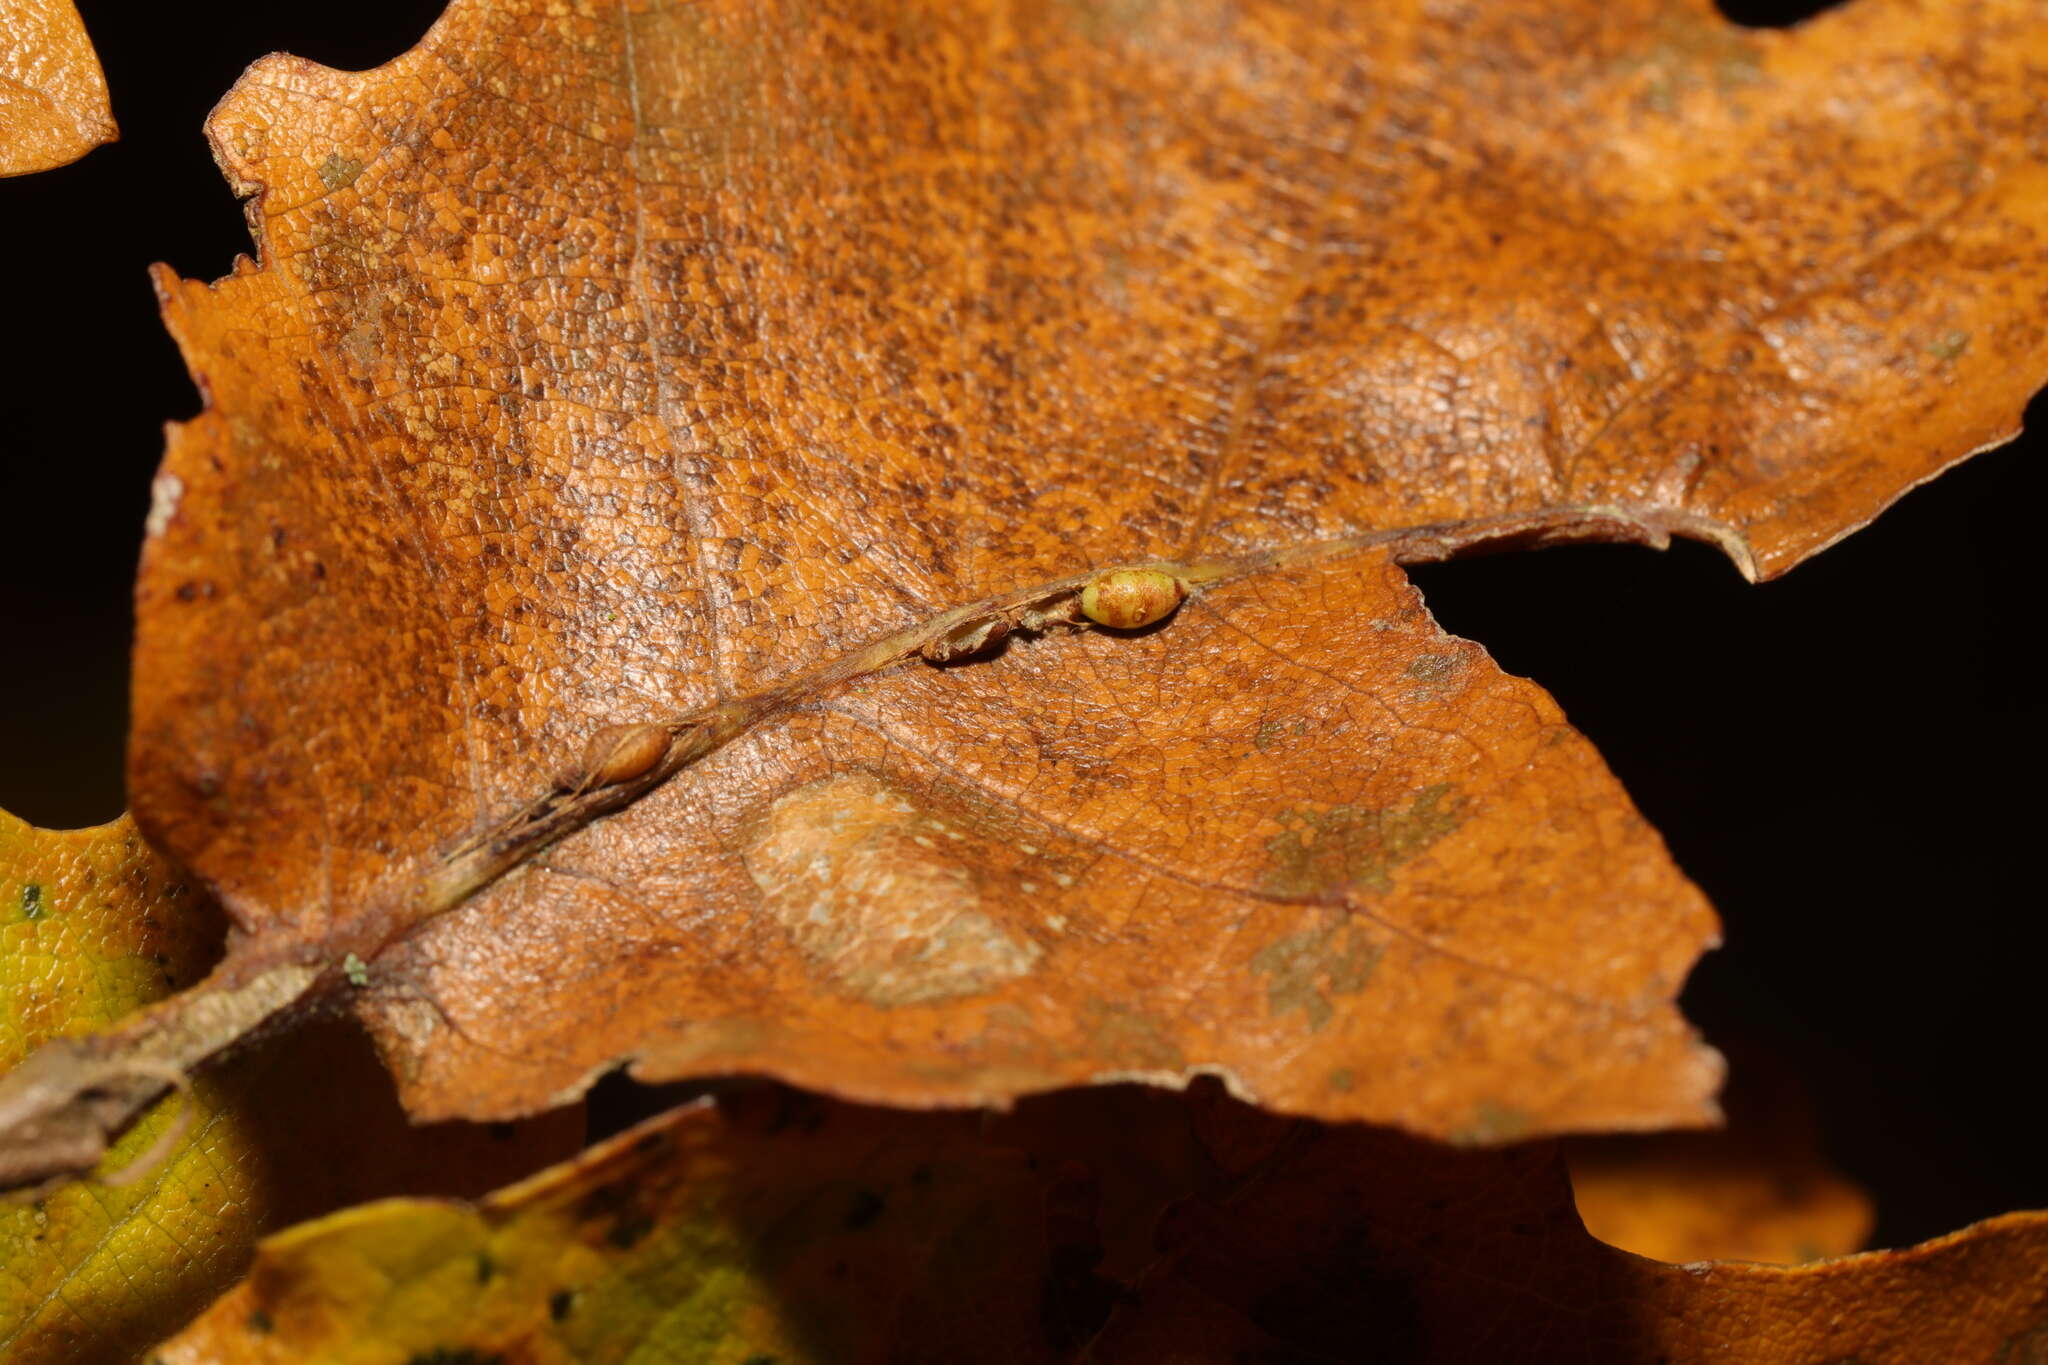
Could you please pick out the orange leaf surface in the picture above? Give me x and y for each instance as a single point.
(94, 923)
(717, 370)
(53, 98)
(1108, 1225)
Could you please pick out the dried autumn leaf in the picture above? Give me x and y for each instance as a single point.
(1107, 1225)
(53, 98)
(94, 923)
(703, 368)
(1758, 1189)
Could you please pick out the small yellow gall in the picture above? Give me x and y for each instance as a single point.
(619, 753)
(1129, 598)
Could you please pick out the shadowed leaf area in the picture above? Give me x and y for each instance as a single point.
(1112, 1225)
(1758, 1189)
(94, 924)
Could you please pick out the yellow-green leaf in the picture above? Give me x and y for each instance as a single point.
(93, 924)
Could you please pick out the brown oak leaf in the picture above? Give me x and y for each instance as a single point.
(627, 584)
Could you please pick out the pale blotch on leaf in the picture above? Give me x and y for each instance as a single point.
(877, 902)
(1355, 847)
(165, 491)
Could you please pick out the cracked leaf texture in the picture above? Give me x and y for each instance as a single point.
(93, 924)
(607, 362)
(1108, 1225)
(53, 97)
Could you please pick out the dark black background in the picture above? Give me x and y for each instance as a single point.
(1848, 760)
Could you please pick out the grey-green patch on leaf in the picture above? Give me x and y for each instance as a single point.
(1308, 968)
(1321, 852)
